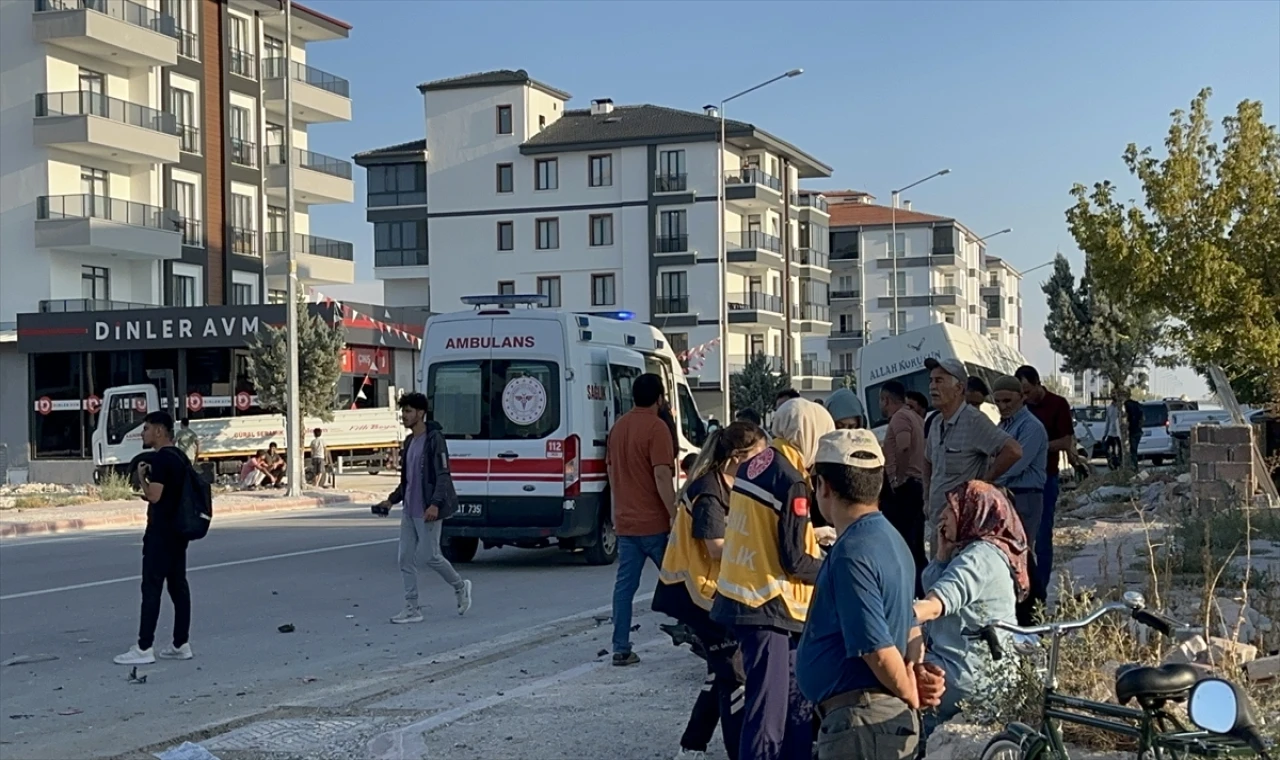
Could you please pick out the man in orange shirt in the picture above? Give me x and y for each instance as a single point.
(641, 460)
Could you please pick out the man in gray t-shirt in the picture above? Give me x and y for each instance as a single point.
(963, 444)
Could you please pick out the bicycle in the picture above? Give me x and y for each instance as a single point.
(1217, 707)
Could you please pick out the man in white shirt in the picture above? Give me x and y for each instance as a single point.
(319, 459)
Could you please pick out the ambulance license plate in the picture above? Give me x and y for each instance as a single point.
(471, 510)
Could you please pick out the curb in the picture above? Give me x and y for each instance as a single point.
(139, 518)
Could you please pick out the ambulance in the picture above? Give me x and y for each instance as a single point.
(526, 396)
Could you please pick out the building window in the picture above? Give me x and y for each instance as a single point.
(504, 120)
(184, 202)
(671, 163)
(542, 122)
(184, 112)
(241, 293)
(675, 284)
(400, 244)
(603, 292)
(506, 178)
(244, 235)
(600, 170)
(755, 345)
(901, 280)
(506, 287)
(506, 236)
(550, 287)
(897, 244)
(601, 229)
(546, 173)
(276, 220)
(844, 245)
(243, 151)
(995, 279)
(898, 325)
(95, 283)
(548, 234)
(673, 231)
(397, 184)
(95, 182)
(277, 296)
(182, 290)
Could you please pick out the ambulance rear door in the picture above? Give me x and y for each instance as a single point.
(455, 375)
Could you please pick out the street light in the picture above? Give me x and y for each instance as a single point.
(1024, 272)
(988, 237)
(293, 411)
(893, 242)
(722, 258)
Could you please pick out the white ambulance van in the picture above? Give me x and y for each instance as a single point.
(526, 397)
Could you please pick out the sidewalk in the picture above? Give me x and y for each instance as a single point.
(123, 514)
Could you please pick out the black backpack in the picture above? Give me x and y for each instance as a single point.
(195, 508)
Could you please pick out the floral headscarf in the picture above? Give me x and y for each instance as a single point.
(984, 514)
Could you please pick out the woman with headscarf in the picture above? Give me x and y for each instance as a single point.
(769, 564)
(979, 575)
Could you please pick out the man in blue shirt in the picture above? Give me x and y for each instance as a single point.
(853, 660)
(1026, 478)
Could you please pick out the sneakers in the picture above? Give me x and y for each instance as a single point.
(690, 754)
(623, 659)
(170, 652)
(410, 614)
(136, 656)
(464, 597)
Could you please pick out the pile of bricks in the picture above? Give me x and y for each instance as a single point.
(1222, 465)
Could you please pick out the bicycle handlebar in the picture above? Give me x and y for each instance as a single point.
(1154, 620)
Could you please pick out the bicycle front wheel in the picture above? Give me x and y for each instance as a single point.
(1006, 746)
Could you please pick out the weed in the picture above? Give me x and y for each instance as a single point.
(115, 487)
(31, 502)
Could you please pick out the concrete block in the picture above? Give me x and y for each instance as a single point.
(1263, 669)
(1200, 472)
(1236, 473)
(1233, 434)
(1238, 452)
(1211, 489)
(1203, 433)
(1188, 651)
(1226, 650)
(1204, 453)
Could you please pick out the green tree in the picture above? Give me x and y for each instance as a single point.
(757, 385)
(1091, 331)
(1200, 246)
(319, 365)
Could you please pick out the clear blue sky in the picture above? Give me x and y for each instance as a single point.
(1018, 99)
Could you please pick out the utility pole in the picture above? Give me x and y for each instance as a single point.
(293, 415)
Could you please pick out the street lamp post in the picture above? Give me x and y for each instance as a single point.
(893, 243)
(722, 258)
(293, 414)
(988, 237)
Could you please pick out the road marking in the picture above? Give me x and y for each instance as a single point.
(215, 566)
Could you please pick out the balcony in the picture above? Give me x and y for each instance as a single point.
(243, 153)
(319, 259)
(814, 319)
(414, 257)
(671, 183)
(125, 33)
(242, 63)
(63, 305)
(243, 241)
(813, 263)
(188, 139)
(755, 309)
(665, 304)
(813, 368)
(317, 178)
(739, 362)
(845, 295)
(671, 244)
(95, 125)
(752, 188)
(753, 250)
(107, 226)
(318, 96)
(811, 201)
(846, 338)
(192, 232)
(188, 44)
(948, 297)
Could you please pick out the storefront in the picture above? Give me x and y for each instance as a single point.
(72, 357)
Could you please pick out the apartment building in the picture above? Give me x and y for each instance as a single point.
(941, 274)
(604, 209)
(144, 167)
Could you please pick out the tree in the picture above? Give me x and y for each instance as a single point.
(757, 385)
(1091, 331)
(319, 365)
(1201, 247)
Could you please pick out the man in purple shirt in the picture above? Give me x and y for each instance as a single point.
(427, 493)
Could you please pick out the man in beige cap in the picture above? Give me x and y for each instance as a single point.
(860, 658)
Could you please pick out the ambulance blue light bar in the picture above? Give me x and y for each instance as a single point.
(508, 299)
(624, 316)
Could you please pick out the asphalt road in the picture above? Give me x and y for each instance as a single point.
(331, 573)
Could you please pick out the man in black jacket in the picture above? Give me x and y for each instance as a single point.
(426, 490)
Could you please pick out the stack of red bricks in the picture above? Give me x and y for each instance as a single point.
(1222, 465)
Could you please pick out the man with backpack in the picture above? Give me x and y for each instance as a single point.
(163, 479)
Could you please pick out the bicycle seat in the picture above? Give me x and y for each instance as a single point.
(1147, 684)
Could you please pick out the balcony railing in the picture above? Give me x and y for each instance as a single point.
(818, 312)
(814, 368)
(755, 301)
(752, 176)
(943, 249)
(839, 333)
(52, 207)
(316, 162)
(192, 232)
(244, 153)
(405, 258)
(672, 243)
(948, 290)
(242, 62)
(810, 257)
(837, 294)
(123, 10)
(273, 68)
(845, 254)
(811, 201)
(86, 103)
(671, 305)
(61, 305)
(244, 241)
(739, 362)
(671, 183)
(189, 138)
(188, 44)
(313, 245)
(405, 198)
(753, 239)
(841, 371)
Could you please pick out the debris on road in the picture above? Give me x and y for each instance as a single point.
(286, 628)
(134, 678)
(28, 659)
(70, 711)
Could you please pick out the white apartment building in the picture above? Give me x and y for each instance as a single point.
(942, 274)
(607, 208)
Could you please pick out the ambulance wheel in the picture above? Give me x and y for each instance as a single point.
(460, 551)
(604, 550)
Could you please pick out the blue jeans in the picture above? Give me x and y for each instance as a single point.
(1044, 537)
(632, 552)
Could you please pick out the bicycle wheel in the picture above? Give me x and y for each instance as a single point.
(1005, 746)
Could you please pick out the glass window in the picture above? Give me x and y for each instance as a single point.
(506, 236)
(466, 398)
(603, 292)
(548, 234)
(675, 284)
(400, 244)
(671, 163)
(673, 224)
(61, 432)
(241, 293)
(914, 381)
(546, 172)
(897, 245)
(506, 178)
(506, 288)
(95, 283)
(844, 245)
(504, 120)
(622, 378)
(601, 229)
(183, 290)
(550, 287)
(600, 170)
(397, 184)
(691, 423)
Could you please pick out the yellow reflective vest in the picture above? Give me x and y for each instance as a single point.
(686, 560)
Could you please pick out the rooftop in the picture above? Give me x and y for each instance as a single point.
(411, 148)
(498, 78)
(871, 215)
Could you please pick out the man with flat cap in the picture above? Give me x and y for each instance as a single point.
(962, 444)
(1025, 479)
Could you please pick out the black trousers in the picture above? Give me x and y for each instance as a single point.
(904, 506)
(164, 563)
(1133, 449)
(721, 698)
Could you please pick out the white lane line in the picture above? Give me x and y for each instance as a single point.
(410, 741)
(215, 566)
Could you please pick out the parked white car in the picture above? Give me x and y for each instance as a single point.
(1157, 444)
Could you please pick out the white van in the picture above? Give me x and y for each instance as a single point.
(526, 397)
